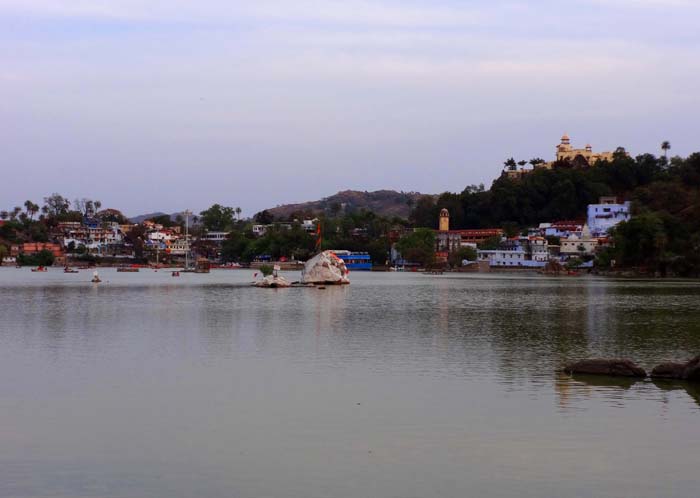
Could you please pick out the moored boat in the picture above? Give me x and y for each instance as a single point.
(128, 269)
(357, 261)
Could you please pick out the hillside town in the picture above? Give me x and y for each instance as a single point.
(524, 221)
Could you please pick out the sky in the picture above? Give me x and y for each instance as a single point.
(151, 105)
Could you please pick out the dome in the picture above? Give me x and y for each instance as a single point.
(589, 147)
(565, 138)
(444, 213)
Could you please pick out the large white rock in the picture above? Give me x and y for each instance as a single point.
(325, 268)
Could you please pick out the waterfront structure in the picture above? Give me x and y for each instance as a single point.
(518, 252)
(355, 260)
(607, 214)
(448, 241)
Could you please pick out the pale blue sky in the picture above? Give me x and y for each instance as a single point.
(162, 105)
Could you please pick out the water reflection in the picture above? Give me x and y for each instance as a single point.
(455, 376)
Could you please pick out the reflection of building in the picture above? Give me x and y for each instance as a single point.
(606, 214)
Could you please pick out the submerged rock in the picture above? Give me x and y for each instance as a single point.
(668, 370)
(692, 369)
(325, 268)
(689, 370)
(606, 366)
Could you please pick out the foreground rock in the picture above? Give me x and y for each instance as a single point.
(606, 366)
(325, 268)
(668, 370)
(689, 370)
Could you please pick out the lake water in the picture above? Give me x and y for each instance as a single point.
(397, 386)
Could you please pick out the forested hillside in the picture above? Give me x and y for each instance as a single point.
(664, 233)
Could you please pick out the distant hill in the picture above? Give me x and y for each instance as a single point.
(387, 203)
(143, 217)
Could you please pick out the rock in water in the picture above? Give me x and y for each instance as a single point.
(691, 371)
(325, 268)
(668, 370)
(273, 282)
(605, 366)
(680, 371)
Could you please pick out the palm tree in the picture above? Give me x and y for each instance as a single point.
(15, 212)
(238, 212)
(510, 164)
(4, 215)
(31, 209)
(666, 146)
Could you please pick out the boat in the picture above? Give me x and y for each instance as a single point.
(40, 269)
(95, 278)
(355, 260)
(202, 266)
(176, 274)
(68, 269)
(128, 269)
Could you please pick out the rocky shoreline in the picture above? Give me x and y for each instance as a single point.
(623, 367)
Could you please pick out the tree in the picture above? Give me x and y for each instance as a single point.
(510, 164)
(41, 258)
(462, 254)
(510, 229)
(56, 205)
(162, 219)
(238, 213)
(31, 209)
(264, 217)
(418, 246)
(218, 218)
(4, 215)
(666, 146)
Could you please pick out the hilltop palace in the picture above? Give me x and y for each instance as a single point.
(581, 158)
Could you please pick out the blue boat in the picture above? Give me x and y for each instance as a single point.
(355, 260)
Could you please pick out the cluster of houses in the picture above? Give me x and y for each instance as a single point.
(109, 239)
(579, 239)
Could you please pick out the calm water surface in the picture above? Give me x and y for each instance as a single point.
(399, 385)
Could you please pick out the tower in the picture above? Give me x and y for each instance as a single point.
(564, 146)
(444, 220)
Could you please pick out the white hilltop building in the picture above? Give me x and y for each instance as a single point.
(606, 214)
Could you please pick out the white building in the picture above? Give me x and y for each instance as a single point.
(585, 245)
(606, 214)
(508, 258)
(259, 230)
(309, 225)
(215, 236)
